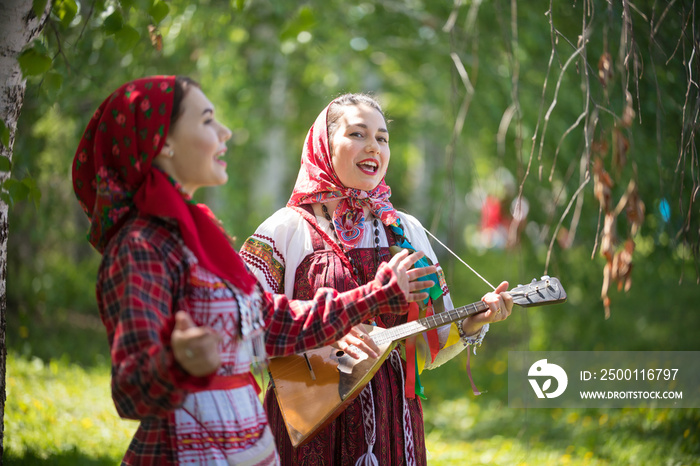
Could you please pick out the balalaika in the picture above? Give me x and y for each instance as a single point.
(313, 388)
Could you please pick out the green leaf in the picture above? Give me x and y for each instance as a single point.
(33, 62)
(5, 164)
(113, 23)
(29, 182)
(17, 190)
(36, 197)
(137, 5)
(159, 11)
(40, 47)
(240, 4)
(34, 193)
(65, 10)
(4, 134)
(53, 82)
(127, 39)
(303, 21)
(39, 6)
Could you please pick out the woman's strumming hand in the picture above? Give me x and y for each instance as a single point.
(195, 348)
(357, 343)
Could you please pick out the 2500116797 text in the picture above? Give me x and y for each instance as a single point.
(631, 374)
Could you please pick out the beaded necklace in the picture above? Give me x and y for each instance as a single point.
(344, 249)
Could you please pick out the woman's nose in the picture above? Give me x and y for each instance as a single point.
(372, 146)
(225, 133)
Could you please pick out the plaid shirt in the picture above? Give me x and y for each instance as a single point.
(144, 277)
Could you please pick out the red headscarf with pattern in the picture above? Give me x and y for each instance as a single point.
(318, 182)
(113, 175)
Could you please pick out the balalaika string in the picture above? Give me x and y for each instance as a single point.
(459, 259)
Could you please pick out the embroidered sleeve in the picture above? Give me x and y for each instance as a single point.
(294, 326)
(135, 299)
(264, 260)
(280, 243)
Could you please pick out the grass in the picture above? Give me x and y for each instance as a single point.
(59, 410)
(59, 413)
(463, 432)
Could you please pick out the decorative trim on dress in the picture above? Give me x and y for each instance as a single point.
(409, 448)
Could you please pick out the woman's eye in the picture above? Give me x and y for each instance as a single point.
(356, 135)
(383, 139)
(208, 121)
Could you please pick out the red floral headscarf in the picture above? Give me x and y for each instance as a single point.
(318, 182)
(113, 174)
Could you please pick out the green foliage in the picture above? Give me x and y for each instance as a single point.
(303, 20)
(270, 67)
(113, 23)
(65, 11)
(158, 11)
(52, 83)
(34, 60)
(38, 7)
(13, 191)
(126, 37)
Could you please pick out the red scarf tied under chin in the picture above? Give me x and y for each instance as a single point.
(318, 182)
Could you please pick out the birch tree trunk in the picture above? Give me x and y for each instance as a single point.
(269, 191)
(19, 25)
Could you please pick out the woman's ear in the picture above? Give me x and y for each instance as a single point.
(167, 150)
(164, 158)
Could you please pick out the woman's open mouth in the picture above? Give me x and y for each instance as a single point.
(220, 158)
(368, 166)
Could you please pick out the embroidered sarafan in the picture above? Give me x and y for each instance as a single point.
(310, 265)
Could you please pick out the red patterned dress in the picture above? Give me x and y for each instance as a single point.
(382, 424)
